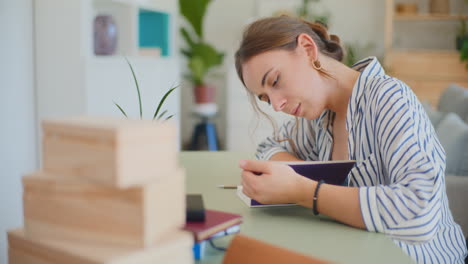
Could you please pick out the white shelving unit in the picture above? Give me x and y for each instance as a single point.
(72, 80)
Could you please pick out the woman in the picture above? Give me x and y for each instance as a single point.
(397, 186)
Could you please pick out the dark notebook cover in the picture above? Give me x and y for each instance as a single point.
(215, 221)
(332, 172)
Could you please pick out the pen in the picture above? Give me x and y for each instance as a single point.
(227, 186)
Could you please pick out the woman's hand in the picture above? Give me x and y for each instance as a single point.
(277, 182)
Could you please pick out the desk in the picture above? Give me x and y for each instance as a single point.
(295, 227)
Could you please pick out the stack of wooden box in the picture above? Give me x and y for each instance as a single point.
(110, 191)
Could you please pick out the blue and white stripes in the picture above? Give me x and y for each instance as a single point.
(400, 164)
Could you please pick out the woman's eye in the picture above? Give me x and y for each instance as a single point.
(264, 99)
(275, 82)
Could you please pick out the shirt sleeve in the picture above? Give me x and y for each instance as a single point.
(413, 164)
(298, 141)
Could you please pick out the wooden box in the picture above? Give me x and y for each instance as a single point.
(60, 208)
(176, 248)
(116, 152)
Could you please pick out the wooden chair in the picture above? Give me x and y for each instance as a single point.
(246, 250)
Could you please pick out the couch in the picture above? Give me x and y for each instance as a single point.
(450, 120)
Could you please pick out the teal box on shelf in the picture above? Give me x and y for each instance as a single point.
(154, 30)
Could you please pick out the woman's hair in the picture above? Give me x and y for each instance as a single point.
(280, 33)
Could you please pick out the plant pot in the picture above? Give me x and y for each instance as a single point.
(460, 40)
(439, 6)
(204, 93)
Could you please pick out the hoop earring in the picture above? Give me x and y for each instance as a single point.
(317, 65)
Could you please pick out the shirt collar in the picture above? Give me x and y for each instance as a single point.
(369, 68)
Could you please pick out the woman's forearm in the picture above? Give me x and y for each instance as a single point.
(338, 202)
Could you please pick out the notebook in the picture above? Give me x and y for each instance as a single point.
(332, 172)
(215, 221)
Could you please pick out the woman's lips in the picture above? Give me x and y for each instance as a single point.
(297, 110)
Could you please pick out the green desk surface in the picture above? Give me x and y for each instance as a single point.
(295, 227)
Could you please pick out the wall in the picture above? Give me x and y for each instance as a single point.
(223, 26)
(17, 132)
(224, 23)
(356, 22)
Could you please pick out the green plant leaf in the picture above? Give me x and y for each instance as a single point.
(201, 56)
(208, 54)
(137, 87)
(162, 114)
(187, 37)
(194, 12)
(186, 53)
(121, 110)
(204, 57)
(188, 77)
(169, 117)
(162, 101)
(464, 53)
(220, 58)
(198, 69)
(350, 57)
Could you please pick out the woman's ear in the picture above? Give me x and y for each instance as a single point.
(307, 45)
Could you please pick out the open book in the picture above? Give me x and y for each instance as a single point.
(332, 172)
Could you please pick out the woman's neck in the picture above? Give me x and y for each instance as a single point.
(340, 86)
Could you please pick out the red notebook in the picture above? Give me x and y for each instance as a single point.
(215, 221)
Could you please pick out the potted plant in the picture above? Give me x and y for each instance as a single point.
(156, 115)
(306, 12)
(201, 56)
(464, 52)
(462, 34)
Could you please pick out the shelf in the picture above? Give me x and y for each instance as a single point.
(429, 17)
(430, 52)
(73, 80)
(427, 71)
(123, 16)
(429, 65)
(118, 59)
(143, 29)
(153, 31)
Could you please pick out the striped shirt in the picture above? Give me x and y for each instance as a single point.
(400, 164)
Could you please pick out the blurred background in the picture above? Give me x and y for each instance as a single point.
(76, 57)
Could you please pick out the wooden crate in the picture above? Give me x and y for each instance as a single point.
(60, 208)
(175, 248)
(116, 152)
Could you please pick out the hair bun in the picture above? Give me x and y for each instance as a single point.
(335, 38)
(321, 23)
(319, 28)
(334, 49)
(331, 42)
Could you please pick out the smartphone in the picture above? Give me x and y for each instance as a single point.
(195, 208)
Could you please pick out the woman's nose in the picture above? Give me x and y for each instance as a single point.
(278, 103)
